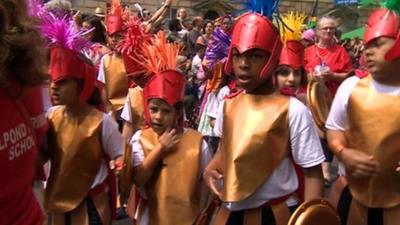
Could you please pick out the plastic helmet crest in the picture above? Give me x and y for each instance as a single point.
(381, 23)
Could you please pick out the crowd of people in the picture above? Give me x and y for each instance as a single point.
(166, 121)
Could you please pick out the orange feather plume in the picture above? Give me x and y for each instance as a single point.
(159, 55)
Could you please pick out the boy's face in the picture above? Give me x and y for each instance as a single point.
(162, 116)
(288, 77)
(248, 66)
(114, 38)
(375, 52)
(64, 92)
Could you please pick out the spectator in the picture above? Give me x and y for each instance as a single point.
(194, 34)
(208, 29)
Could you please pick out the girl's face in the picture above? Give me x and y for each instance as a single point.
(209, 28)
(227, 24)
(375, 52)
(162, 116)
(85, 27)
(247, 68)
(288, 77)
(65, 91)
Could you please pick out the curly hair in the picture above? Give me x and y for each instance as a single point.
(22, 57)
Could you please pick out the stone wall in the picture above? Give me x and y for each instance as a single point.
(285, 5)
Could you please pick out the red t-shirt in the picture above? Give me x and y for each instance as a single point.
(335, 57)
(18, 155)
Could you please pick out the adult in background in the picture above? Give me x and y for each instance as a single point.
(194, 34)
(23, 123)
(331, 63)
(326, 59)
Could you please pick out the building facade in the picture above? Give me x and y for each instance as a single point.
(350, 16)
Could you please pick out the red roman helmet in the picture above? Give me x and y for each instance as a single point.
(293, 50)
(381, 23)
(115, 17)
(255, 31)
(159, 58)
(66, 42)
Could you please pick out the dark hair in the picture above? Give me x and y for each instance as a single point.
(285, 69)
(174, 25)
(199, 47)
(206, 23)
(99, 32)
(95, 98)
(22, 55)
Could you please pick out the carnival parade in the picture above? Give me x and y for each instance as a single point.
(179, 115)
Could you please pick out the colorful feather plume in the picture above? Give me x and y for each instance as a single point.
(134, 37)
(159, 55)
(218, 48)
(293, 26)
(36, 8)
(264, 7)
(393, 5)
(62, 32)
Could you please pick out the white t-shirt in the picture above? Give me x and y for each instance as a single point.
(338, 118)
(126, 111)
(101, 75)
(138, 157)
(112, 144)
(306, 151)
(196, 63)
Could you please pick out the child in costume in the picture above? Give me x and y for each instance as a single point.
(363, 129)
(112, 72)
(261, 130)
(290, 74)
(81, 139)
(168, 160)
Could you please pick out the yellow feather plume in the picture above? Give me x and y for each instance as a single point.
(294, 26)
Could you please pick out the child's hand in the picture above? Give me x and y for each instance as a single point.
(168, 139)
(213, 180)
(398, 168)
(359, 164)
(118, 162)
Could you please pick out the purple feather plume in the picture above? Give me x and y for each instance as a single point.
(62, 32)
(36, 8)
(218, 48)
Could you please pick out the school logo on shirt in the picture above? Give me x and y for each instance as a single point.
(17, 140)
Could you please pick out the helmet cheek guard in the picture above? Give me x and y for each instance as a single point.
(254, 31)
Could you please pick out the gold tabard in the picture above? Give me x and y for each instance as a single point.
(136, 103)
(174, 189)
(374, 120)
(254, 142)
(76, 161)
(116, 81)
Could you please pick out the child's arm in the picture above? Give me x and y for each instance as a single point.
(212, 175)
(144, 171)
(357, 164)
(314, 185)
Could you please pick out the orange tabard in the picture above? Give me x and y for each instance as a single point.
(254, 142)
(374, 120)
(136, 104)
(76, 160)
(116, 81)
(174, 189)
